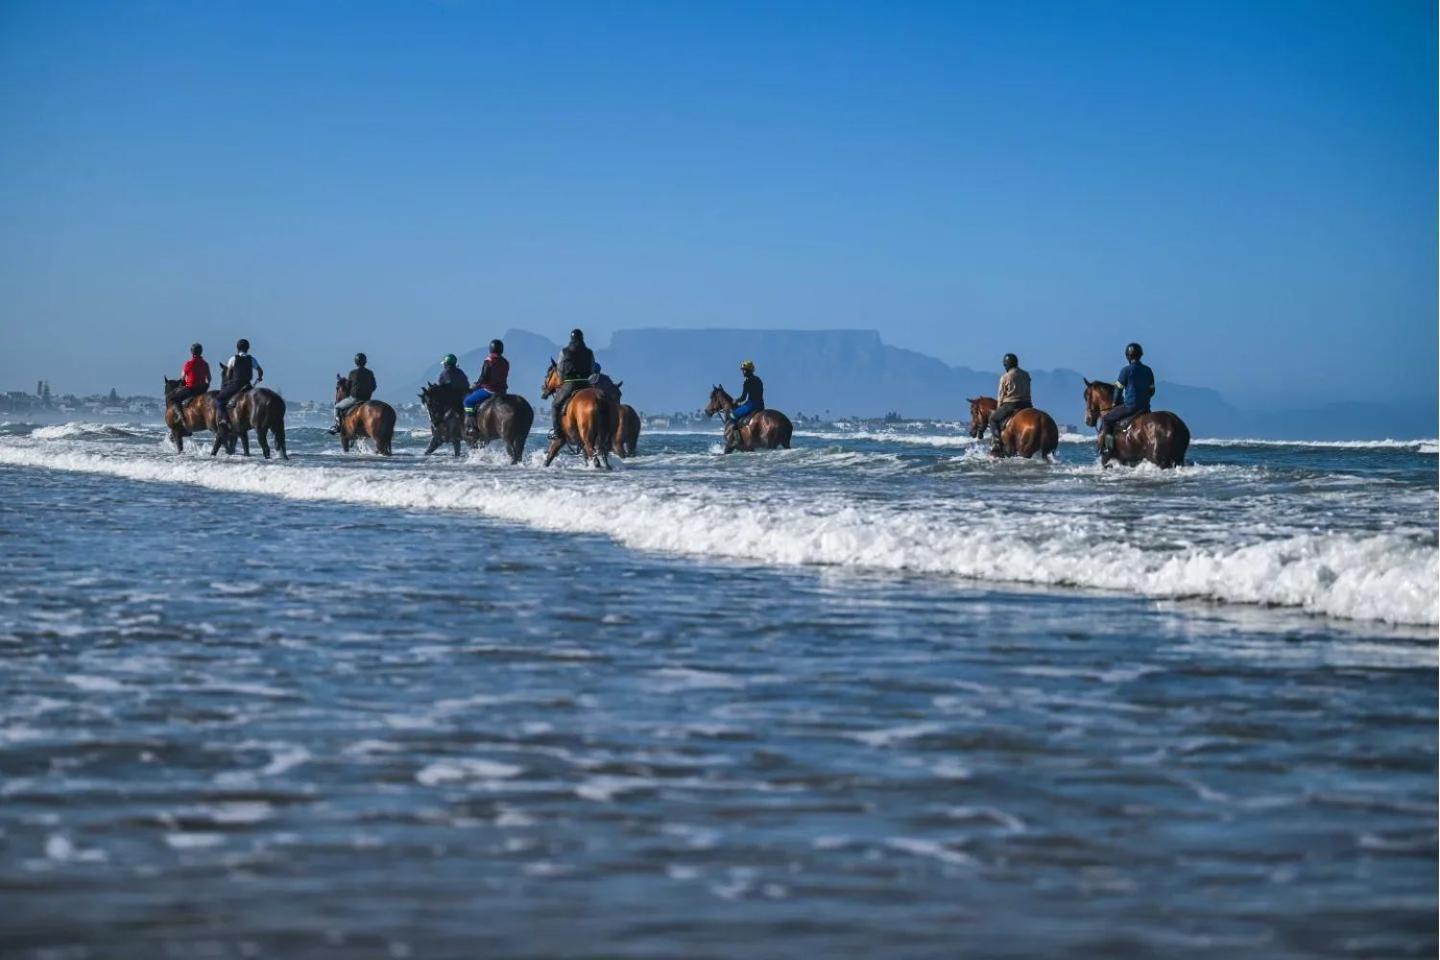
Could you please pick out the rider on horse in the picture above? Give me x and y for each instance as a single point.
(359, 387)
(1012, 396)
(1137, 381)
(603, 383)
(577, 366)
(494, 382)
(451, 375)
(239, 372)
(195, 377)
(752, 394)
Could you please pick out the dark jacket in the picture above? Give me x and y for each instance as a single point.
(752, 391)
(495, 374)
(360, 384)
(576, 361)
(453, 377)
(241, 370)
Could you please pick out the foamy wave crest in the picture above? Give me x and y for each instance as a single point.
(81, 430)
(1385, 577)
(1417, 446)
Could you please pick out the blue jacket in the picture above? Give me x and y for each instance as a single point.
(1138, 382)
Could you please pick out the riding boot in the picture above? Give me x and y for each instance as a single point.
(471, 430)
(997, 447)
(335, 427)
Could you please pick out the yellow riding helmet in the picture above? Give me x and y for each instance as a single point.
(747, 365)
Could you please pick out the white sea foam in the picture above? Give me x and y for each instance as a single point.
(1367, 576)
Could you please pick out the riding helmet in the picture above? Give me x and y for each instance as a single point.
(747, 365)
(1009, 360)
(196, 349)
(577, 334)
(359, 359)
(596, 367)
(497, 347)
(242, 345)
(448, 360)
(1133, 351)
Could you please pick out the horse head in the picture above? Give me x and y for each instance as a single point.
(342, 387)
(551, 383)
(719, 400)
(1099, 397)
(979, 416)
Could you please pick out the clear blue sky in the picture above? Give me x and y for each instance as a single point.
(1249, 188)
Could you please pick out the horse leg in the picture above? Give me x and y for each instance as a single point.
(260, 438)
(216, 448)
(245, 441)
(554, 450)
(435, 441)
(279, 430)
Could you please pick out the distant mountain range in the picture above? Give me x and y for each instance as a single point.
(853, 373)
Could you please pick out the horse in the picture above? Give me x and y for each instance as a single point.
(446, 407)
(1160, 437)
(1028, 432)
(197, 413)
(262, 410)
(507, 417)
(766, 429)
(627, 433)
(372, 418)
(588, 421)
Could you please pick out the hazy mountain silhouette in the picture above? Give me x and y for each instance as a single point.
(853, 373)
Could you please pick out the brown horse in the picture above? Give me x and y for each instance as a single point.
(627, 431)
(764, 430)
(446, 407)
(1025, 434)
(197, 413)
(373, 418)
(588, 422)
(507, 418)
(263, 411)
(1160, 437)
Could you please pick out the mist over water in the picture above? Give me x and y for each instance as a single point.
(877, 695)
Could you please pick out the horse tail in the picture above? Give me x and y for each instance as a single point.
(1181, 443)
(607, 420)
(1049, 436)
(784, 430)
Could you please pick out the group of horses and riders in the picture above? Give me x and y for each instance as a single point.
(1128, 431)
(589, 417)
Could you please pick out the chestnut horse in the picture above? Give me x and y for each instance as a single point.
(1160, 437)
(373, 418)
(588, 422)
(1025, 434)
(262, 410)
(197, 413)
(629, 433)
(764, 430)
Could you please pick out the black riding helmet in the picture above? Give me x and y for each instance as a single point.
(497, 347)
(577, 334)
(1009, 360)
(196, 349)
(242, 345)
(359, 359)
(1133, 351)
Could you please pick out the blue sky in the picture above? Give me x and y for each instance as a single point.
(1248, 188)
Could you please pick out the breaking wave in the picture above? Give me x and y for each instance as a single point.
(1389, 577)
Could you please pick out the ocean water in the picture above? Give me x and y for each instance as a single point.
(876, 695)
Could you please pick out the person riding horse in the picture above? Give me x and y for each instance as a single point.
(194, 378)
(359, 387)
(494, 381)
(1011, 396)
(1137, 383)
(577, 366)
(752, 396)
(451, 376)
(237, 373)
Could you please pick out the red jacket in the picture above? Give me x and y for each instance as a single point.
(495, 374)
(196, 372)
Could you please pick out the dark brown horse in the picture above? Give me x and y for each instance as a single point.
(263, 411)
(588, 422)
(1160, 437)
(446, 407)
(197, 413)
(765, 430)
(1025, 434)
(373, 418)
(507, 418)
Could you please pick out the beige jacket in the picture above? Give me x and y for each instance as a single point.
(1014, 387)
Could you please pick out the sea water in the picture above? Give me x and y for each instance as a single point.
(875, 695)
